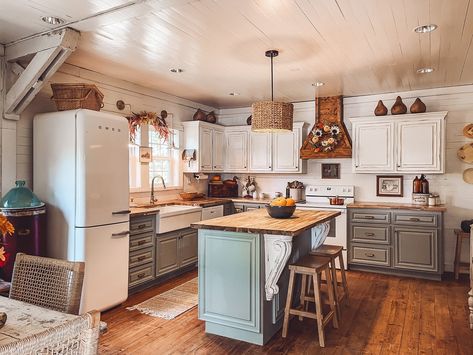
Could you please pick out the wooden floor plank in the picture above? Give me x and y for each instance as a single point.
(387, 315)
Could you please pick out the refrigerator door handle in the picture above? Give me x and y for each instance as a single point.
(121, 212)
(121, 234)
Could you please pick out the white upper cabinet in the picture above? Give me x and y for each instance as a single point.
(261, 152)
(236, 149)
(286, 147)
(218, 149)
(205, 151)
(396, 144)
(209, 142)
(374, 147)
(420, 146)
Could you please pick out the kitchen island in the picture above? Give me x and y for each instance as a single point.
(243, 273)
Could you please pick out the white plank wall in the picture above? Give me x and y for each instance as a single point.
(456, 194)
(139, 98)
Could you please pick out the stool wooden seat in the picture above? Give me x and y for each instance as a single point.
(333, 252)
(311, 267)
(458, 265)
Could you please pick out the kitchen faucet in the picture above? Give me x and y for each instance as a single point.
(152, 200)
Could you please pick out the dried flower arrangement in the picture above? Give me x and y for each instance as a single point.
(151, 118)
(326, 136)
(6, 228)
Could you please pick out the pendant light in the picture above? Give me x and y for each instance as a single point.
(271, 116)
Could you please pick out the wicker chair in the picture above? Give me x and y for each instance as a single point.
(49, 283)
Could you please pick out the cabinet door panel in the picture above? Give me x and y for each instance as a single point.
(374, 147)
(236, 152)
(188, 248)
(260, 152)
(286, 151)
(205, 153)
(415, 249)
(167, 254)
(218, 150)
(419, 146)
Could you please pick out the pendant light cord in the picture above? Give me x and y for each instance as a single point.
(272, 88)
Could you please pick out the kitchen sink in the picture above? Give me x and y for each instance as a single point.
(174, 217)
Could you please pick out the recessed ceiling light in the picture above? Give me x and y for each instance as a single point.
(425, 28)
(318, 84)
(53, 20)
(176, 70)
(425, 70)
(234, 94)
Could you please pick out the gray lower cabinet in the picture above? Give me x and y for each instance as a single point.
(175, 250)
(141, 257)
(243, 207)
(403, 242)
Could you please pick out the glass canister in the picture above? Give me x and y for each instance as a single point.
(27, 213)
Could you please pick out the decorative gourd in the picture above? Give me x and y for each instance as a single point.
(199, 115)
(418, 106)
(398, 108)
(380, 109)
(211, 118)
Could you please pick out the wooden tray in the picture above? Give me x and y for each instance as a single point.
(465, 153)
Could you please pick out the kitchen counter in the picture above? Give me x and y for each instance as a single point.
(258, 221)
(203, 202)
(243, 272)
(396, 206)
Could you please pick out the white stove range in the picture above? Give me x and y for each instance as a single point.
(317, 198)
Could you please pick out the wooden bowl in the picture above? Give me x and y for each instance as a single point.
(188, 196)
(280, 211)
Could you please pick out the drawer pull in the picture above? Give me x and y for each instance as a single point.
(140, 276)
(142, 226)
(369, 234)
(414, 219)
(24, 232)
(120, 234)
(141, 242)
(141, 258)
(369, 255)
(121, 212)
(367, 217)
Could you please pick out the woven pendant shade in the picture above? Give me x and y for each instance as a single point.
(269, 116)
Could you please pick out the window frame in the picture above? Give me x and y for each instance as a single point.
(176, 165)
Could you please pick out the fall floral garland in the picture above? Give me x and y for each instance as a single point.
(150, 118)
(325, 136)
(6, 228)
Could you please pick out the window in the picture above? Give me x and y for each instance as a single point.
(165, 160)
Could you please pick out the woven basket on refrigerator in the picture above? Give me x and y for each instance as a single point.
(74, 96)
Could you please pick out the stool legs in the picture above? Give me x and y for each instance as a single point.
(331, 297)
(344, 278)
(318, 309)
(458, 251)
(334, 285)
(304, 289)
(288, 304)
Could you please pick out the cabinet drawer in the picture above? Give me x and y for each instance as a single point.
(370, 234)
(141, 225)
(142, 242)
(140, 257)
(371, 216)
(416, 219)
(140, 275)
(371, 256)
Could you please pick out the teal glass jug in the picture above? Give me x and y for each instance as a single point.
(20, 197)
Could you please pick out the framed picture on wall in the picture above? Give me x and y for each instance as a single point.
(145, 154)
(330, 171)
(389, 185)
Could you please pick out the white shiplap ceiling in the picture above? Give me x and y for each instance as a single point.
(355, 46)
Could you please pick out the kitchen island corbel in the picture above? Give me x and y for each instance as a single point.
(243, 273)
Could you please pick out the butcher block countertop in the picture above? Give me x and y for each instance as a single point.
(397, 206)
(259, 222)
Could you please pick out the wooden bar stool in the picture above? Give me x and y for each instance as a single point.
(333, 252)
(311, 267)
(458, 265)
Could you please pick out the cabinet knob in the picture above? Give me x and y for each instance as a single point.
(369, 255)
(356, 166)
(269, 167)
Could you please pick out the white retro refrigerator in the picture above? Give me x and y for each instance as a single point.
(81, 171)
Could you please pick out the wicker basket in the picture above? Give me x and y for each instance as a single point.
(74, 96)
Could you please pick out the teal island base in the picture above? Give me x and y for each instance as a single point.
(243, 280)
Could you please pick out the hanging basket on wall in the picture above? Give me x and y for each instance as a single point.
(135, 120)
